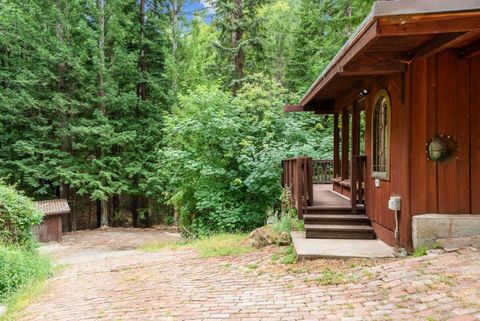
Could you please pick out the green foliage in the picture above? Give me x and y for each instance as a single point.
(324, 26)
(17, 217)
(331, 277)
(240, 40)
(208, 246)
(289, 220)
(20, 264)
(53, 132)
(222, 155)
(420, 251)
(280, 20)
(183, 140)
(18, 268)
(286, 255)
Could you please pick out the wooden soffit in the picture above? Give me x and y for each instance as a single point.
(394, 34)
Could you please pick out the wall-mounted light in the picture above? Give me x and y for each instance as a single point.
(441, 149)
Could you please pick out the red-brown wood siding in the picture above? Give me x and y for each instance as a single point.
(439, 95)
(444, 101)
(398, 184)
(475, 134)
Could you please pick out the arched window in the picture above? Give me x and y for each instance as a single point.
(381, 135)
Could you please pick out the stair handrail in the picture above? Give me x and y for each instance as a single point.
(297, 176)
(357, 181)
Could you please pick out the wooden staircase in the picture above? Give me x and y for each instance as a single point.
(326, 214)
(337, 222)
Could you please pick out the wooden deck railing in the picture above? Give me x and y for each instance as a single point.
(298, 177)
(358, 181)
(322, 171)
(300, 173)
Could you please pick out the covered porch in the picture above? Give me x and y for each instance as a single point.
(329, 195)
(411, 70)
(336, 183)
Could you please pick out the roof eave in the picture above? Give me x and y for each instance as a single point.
(384, 9)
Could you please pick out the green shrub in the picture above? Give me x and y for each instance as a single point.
(286, 255)
(288, 220)
(420, 251)
(17, 217)
(222, 155)
(19, 267)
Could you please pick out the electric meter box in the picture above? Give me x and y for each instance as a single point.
(395, 203)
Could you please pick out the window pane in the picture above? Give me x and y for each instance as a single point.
(380, 133)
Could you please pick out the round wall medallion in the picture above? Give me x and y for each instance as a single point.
(441, 149)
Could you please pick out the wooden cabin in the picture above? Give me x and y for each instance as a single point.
(404, 92)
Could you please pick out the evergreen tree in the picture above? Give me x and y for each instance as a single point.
(324, 27)
(239, 23)
(278, 38)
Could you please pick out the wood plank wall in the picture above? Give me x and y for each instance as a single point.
(438, 95)
(446, 100)
(383, 219)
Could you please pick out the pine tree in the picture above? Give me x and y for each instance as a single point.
(324, 27)
(239, 24)
(278, 38)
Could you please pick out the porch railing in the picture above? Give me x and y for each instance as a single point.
(322, 171)
(298, 177)
(358, 181)
(300, 173)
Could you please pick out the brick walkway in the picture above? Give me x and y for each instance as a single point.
(178, 285)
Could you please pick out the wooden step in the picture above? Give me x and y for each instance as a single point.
(323, 209)
(336, 219)
(330, 231)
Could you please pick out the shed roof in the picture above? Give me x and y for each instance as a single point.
(53, 206)
(391, 36)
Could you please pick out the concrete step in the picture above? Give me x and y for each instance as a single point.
(319, 248)
(336, 219)
(329, 231)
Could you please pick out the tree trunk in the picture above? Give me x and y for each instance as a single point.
(101, 89)
(134, 210)
(99, 213)
(142, 85)
(101, 55)
(65, 143)
(115, 205)
(239, 56)
(150, 205)
(175, 12)
(142, 94)
(145, 207)
(73, 212)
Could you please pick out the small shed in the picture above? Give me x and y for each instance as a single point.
(51, 227)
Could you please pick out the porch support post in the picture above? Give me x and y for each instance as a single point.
(355, 151)
(336, 146)
(345, 144)
(355, 129)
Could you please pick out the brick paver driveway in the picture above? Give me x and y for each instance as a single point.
(102, 282)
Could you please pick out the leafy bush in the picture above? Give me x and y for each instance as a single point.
(18, 268)
(222, 154)
(17, 217)
(420, 251)
(288, 220)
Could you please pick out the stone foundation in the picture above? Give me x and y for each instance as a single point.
(428, 228)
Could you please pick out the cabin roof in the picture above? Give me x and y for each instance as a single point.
(393, 35)
(53, 206)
